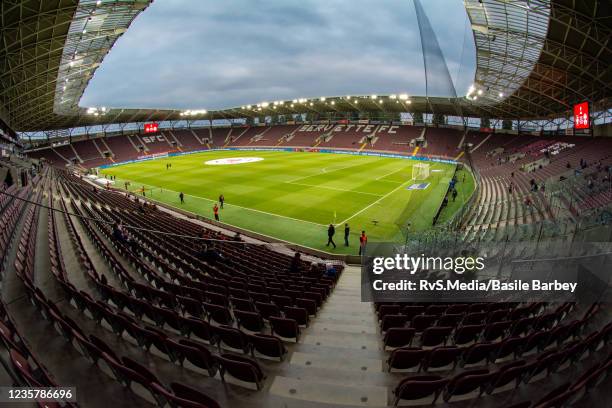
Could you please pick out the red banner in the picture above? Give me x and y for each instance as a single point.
(581, 116)
(151, 127)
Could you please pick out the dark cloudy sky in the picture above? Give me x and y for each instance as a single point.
(215, 54)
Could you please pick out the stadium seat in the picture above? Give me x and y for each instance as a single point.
(241, 368)
(417, 387)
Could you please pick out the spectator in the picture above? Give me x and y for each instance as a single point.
(294, 267)
(330, 271)
(182, 197)
(212, 255)
(315, 271)
(118, 232)
(454, 194)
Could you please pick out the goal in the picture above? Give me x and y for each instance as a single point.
(420, 171)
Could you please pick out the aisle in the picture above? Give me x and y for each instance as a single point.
(339, 358)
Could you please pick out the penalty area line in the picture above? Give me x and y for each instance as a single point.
(375, 202)
(229, 205)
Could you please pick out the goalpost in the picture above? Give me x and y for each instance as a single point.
(420, 171)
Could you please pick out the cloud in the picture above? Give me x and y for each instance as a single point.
(221, 54)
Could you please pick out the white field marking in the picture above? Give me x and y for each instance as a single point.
(335, 189)
(375, 202)
(227, 204)
(388, 174)
(323, 171)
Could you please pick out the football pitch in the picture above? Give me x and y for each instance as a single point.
(294, 196)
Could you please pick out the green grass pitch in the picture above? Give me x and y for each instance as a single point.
(294, 196)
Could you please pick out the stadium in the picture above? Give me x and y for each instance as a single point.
(329, 231)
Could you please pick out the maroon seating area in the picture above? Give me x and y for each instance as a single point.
(188, 140)
(484, 347)
(121, 148)
(505, 186)
(170, 297)
(156, 143)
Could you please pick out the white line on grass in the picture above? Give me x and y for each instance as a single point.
(324, 171)
(231, 205)
(388, 174)
(333, 188)
(375, 202)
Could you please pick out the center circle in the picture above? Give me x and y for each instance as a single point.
(233, 160)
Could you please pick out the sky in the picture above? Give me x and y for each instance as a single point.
(217, 54)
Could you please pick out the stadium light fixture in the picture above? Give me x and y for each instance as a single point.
(265, 104)
(380, 101)
(501, 94)
(311, 104)
(355, 101)
(403, 97)
(409, 102)
(333, 102)
(98, 2)
(480, 92)
(322, 99)
(374, 96)
(393, 96)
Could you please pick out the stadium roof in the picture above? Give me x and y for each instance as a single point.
(543, 56)
(535, 58)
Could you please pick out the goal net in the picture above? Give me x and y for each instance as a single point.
(420, 171)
